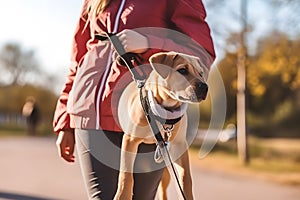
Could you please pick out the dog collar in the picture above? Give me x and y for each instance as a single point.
(163, 115)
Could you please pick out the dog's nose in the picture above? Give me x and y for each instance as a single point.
(201, 90)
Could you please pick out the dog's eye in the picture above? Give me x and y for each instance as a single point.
(183, 71)
(201, 74)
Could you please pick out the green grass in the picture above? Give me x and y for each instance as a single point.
(12, 130)
(20, 130)
(274, 159)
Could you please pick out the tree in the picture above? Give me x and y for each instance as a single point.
(227, 68)
(274, 81)
(242, 23)
(16, 64)
(240, 46)
(273, 85)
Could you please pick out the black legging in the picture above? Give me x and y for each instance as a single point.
(99, 157)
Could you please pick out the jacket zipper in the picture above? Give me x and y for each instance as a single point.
(108, 65)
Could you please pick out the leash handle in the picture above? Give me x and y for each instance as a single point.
(127, 58)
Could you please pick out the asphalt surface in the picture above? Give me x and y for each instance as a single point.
(30, 169)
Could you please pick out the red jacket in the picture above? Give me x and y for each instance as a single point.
(95, 81)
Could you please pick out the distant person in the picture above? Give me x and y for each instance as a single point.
(32, 114)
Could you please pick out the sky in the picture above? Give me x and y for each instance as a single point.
(45, 26)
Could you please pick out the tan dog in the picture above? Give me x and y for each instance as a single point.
(177, 79)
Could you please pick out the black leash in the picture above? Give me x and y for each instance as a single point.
(140, 78)
(159, 139)
(127, 58)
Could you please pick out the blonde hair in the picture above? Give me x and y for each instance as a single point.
(95, 7)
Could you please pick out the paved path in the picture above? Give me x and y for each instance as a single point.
(31, 170)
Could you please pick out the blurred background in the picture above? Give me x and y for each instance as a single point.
(257, 44)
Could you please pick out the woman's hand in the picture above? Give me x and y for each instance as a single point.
(133, 41)
(65, 144)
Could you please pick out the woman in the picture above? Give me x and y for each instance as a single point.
(86, 109)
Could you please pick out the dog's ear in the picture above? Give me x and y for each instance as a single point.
(162, 62)
(202, 69)
(197, 64)
(205, 71)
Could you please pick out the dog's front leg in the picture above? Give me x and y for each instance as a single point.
(163, 185)
(128, 154)
(183, 167)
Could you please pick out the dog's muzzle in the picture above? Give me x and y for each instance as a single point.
(200, 90)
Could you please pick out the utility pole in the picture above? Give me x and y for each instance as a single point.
(241, 87)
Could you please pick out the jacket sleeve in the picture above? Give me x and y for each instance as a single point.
(61, 119)
(190, 32)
